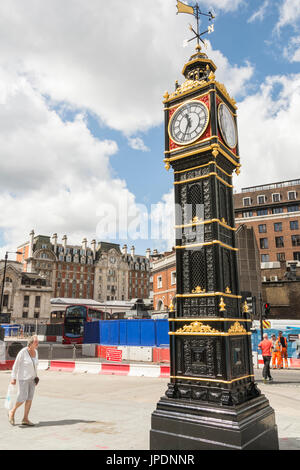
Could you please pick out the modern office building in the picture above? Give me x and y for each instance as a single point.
(273, 211)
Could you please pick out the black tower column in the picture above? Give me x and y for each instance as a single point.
(212, 401)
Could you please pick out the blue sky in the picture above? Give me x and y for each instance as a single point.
(81, 116)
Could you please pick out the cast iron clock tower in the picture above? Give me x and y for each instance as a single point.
(212, 401)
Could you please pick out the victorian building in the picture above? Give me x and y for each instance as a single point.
(100, 271)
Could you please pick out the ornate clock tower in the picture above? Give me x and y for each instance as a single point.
(212, 401)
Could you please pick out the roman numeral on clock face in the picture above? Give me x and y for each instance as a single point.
(188, 122)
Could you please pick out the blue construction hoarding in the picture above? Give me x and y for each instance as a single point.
(127, 332)
(155, 333)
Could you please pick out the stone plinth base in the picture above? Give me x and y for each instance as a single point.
(188, 425)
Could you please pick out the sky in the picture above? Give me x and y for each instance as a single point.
(81, 112)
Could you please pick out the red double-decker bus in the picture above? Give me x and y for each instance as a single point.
(75, 318)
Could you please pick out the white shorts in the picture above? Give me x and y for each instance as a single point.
(26, 390)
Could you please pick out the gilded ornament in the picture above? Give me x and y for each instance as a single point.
(198, 290)
(227, 290)
(237, 329)
(186, 86)
(222, 305)
(223, 90)
(195, 220)
(171, 307)
(197, 327)
(215, 151)
(245, 307)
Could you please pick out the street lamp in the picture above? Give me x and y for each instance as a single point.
(4, 274)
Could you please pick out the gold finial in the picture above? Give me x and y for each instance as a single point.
(215, 151)
(238, 171)
(222, 305)
(167, 166)
(245, 307)
(166, 95)
(171, 307)
(227, 290)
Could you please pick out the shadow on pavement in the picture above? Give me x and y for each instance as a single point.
(63, 422)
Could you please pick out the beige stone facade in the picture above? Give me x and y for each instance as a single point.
(26, 295)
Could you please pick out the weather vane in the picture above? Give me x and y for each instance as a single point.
(196, 12)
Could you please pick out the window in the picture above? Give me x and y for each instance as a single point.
(248, 214)
(261, 199)
(277, 210)
(159, 282)
(296, 255)
(293, 208)
(37, 302)
(291, 195)
(262, 228)
(262, 212)
(246, 201)
(278, 227)
(5, 300)
(26, 301)
(294, 225)
(280, 256)
(36, 314)
(279, 242)
(25, 315)
(263, 242)
(265, 258)
(276, 197)
(296, 240)
(173, 277)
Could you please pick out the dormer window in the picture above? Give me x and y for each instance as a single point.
(276, 197)
(261, 199)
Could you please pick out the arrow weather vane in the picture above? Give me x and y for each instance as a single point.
(196, 12)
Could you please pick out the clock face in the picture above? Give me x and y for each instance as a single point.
(188, 122)
(227, 126)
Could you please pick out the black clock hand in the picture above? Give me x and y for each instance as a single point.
(188, 124)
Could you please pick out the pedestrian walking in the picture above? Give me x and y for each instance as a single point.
(284, 354)
(266, 346)
(24, 371)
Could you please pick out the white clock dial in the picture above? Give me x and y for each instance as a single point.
(188, 122)
(227, 126)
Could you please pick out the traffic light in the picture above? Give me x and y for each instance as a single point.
(267, 308)
(251, 301)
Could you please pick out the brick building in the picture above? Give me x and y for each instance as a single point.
(273, 211)
(163, 269)
(101, 271)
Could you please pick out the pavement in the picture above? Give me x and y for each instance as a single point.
(85, 411)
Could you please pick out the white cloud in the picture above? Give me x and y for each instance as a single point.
(289, 14)
(136, 143)
(260, 13)
(292, 51)
(55, 175)
(114, 58)
(269, 132)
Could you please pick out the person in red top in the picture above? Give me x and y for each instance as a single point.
(266, 346)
